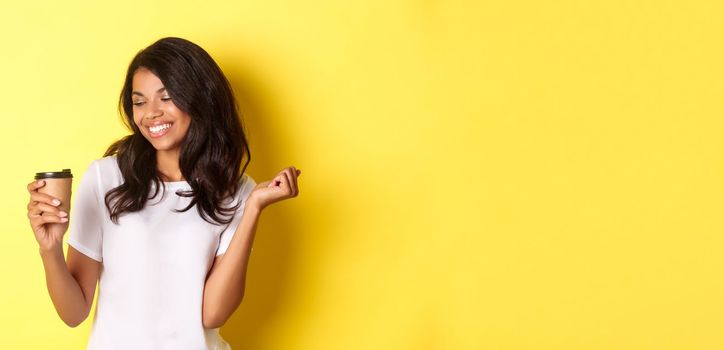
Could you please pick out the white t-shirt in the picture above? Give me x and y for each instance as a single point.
(154, 264)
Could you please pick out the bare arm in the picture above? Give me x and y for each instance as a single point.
(225, 284)
(71, 284)
(226, 281)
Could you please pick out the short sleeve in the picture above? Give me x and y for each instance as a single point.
(243, 194)
(86, 215)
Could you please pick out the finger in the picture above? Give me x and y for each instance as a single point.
(37, 221)
(297, 172)
(32, 215)
(33, 209)
(33, 186)
(51, 219)
(293, 176)
(290, 182)
(284, 181)
(44, 198)
(275, 181)
(45, 209)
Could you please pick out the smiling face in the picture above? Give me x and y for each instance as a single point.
(162, 123)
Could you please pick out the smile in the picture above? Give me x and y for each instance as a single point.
(159, 130)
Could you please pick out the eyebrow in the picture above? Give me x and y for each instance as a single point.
(140, 94)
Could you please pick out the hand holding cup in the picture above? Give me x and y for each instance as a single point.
(49, 207)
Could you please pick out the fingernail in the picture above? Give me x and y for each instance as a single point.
(56, 202)
(63, 219)
(62, 213)
(41, 182)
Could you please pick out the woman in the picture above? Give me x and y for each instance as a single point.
(165, 221)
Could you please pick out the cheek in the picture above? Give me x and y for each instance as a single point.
(186, 122)
(137, 123)
(185, 127)
(136, 118)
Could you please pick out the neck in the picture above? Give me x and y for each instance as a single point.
(167, 164)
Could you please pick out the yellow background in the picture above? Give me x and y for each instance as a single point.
(476, 174)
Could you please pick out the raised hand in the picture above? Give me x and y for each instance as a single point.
(282, 186)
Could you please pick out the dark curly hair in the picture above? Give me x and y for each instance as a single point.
(213, 148)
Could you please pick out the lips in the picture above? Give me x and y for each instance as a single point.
(159, 130)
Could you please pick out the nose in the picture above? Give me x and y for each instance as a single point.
(153, 111)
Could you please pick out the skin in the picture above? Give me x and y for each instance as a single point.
(72, 283)
(152, 105)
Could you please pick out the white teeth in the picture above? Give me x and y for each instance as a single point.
(158, 128)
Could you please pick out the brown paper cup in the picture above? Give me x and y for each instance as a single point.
(58, 185)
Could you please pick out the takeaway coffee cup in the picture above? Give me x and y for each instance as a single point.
(58, 185)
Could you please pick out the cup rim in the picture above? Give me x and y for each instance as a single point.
(64, 174)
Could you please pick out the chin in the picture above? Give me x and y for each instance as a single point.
(156, 145)
(165, 147)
